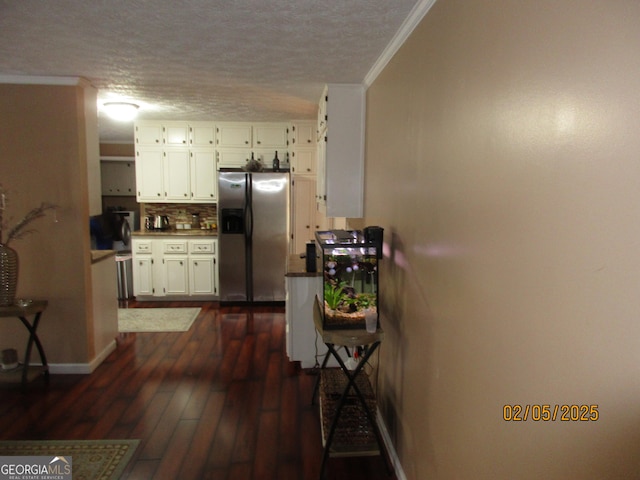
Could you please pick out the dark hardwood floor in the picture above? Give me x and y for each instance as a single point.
(220, 401)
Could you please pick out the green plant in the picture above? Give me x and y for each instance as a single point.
(366, 300)
(333, 294)
(361, 301)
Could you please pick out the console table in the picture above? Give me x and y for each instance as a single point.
(35, 308)
(347, 401)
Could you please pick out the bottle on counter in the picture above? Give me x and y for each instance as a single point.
(276, 163)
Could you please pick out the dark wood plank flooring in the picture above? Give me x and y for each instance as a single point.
(220, 401)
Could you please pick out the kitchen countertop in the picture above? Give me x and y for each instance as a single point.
(99, 255)
(190, 232)
(297, 267)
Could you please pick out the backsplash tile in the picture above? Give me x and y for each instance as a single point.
(180, 213)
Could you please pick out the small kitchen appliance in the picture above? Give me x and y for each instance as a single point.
(161, 222)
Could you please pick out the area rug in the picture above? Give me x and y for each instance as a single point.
(90, 459)
(156, 319)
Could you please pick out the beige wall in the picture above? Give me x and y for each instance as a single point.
(43, 157)
(117, 149)
(508, 134)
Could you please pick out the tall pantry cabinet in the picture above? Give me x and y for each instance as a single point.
(305, 216)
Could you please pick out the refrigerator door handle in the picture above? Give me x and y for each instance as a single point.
(248, 210)
(248, 219)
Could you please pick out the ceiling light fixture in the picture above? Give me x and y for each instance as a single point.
(121, 111)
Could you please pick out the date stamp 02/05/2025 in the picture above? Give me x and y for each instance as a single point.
(550, 413)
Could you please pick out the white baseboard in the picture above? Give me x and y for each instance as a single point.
(393, 455)
(82, 368)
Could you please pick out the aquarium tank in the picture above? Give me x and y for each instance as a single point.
(349, 265)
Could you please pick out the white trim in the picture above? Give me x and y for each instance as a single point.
(43, 80)
(82, 368)
(415, 16)
(117, 143)
(393, 455)
(108, 158)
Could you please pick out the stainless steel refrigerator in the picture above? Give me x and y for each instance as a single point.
(253, 235)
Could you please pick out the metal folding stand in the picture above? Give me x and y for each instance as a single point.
(35, 308)
(355, 380)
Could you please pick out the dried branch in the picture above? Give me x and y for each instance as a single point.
(20, 229)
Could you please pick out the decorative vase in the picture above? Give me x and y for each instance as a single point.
(8, 275)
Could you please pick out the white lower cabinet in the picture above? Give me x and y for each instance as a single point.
(175, 267)
(202, 275)
(203, 267)
(176, 280)
(302, 343)
(143, 275)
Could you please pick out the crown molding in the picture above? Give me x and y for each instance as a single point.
(417, 13)
(44, 80)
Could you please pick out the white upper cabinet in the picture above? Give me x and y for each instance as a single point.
(257, 135)
(177, 175)
(233, 135)
(270, 135)
(341, 157)
(176, 134)
(149, 174)
(303, 134)
(233, 157)
(202, 134)
(204, 180)
(303, 161)
(322, 114)
(149, 133)
(303, 151)
(191, 153)
(175, 162)
(236, 142)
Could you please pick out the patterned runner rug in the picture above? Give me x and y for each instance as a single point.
(90, 459)
(156, 319)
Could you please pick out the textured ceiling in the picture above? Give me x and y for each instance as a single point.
(258, 60)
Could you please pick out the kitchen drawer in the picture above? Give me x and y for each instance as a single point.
(142, 246)
(202, 246)
(174, 246)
